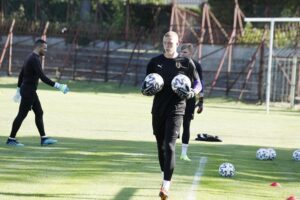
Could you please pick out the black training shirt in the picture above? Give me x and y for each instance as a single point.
(166, 102)
(31, 73)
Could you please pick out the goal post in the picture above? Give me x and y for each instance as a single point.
(272, 22)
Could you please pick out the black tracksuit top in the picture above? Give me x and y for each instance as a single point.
(31, 73)
(166, 102)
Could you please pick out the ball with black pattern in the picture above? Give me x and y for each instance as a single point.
(227, 170)
(272, 153)
(155, 80)
(262, 154)
(181, 81)
(296, 155)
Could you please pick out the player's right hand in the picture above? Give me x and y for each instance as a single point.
(148, 91)
(62, 87)
(17, 97)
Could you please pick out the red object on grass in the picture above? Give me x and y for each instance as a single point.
(275, 184)
(291, 198)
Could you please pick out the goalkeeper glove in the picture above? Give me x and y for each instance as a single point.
(200, 105)
(17, 97)
(149, 91)
(62, 87)
(185, 94)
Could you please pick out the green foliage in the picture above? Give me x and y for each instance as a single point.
(224, 10)
(29, 10)
(251, 35)
(286, 37)
(283, 37)
(152, 15)
(109, 12)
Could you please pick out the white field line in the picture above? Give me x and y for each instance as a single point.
(191, 194)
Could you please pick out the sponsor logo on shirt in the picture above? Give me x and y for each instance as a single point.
(159, 66)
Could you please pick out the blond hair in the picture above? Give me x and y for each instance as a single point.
(171, 34)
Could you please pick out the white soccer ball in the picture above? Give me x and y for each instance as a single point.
(296, 155)
(226, 170)
(262, 154)
(181, 81)
(154, 80)
(272, 153)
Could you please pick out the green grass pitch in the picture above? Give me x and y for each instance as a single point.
(106, 149)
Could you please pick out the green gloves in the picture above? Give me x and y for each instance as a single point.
(62, 87)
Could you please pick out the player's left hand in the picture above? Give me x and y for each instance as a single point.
(199, 105)
(62, 87)
(17, 97)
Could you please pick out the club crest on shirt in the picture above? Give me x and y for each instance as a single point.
(178, 64)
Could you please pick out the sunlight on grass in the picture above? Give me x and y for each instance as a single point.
(106, 148)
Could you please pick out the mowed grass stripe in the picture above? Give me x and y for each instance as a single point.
(106, 149)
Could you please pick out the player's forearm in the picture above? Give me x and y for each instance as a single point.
(20, 79)
(42, 76)
(46, 80)
(197, 86)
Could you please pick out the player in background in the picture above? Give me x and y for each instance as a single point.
(168, 107)
(27, 97)
(187, 50)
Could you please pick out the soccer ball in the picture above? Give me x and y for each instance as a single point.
(296, 155)
(272, 153)
(262, 154)
(154, 80)
(226, 170)
(181, 81)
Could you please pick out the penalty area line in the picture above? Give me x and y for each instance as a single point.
(191, 194)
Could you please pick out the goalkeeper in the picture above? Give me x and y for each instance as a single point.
(168, 107)
(27, 97)
(187, 51)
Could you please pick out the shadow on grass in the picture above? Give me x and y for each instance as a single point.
(41, 195)
(125, 192)
(84, 159)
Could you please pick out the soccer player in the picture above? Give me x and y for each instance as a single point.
(169, 107)
(187, 51)
(26, 94)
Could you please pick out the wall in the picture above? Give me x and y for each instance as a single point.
(96, 63)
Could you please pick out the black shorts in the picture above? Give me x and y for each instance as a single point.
(170, 124)
(29, 99)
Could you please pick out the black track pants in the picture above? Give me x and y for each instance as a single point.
(29, 102)
(186, 129)
(166, 131)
